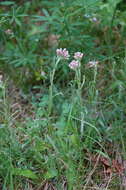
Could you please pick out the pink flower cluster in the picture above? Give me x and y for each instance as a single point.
(9, 31)
(92, 64)
(78, 56)
(62, 53)
(74, 64)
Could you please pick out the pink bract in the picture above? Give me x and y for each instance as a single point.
(92, 63)
(63, 53)
(74, 64)
(78, 55)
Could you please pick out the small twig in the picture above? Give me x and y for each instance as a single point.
(110, 178)
(91, 173)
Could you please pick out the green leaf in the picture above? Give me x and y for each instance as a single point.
(7, 3)
(24, 172)
(74, 139)
(102, 154)
(51, 173)
(17, 22)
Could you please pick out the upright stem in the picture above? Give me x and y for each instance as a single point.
(51, 87)
(95, 91)
(79, 86)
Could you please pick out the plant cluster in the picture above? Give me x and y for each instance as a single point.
(68, 60)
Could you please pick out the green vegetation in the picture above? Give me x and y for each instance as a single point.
(62, 111)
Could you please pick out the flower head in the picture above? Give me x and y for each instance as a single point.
(74, 64)
(9, 32)
(92, 64)
(94, 19)
(62, 53)
(78, 56)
